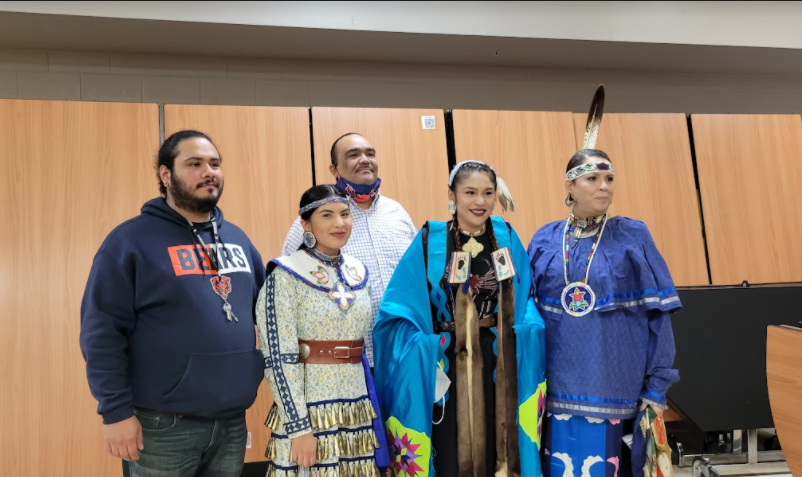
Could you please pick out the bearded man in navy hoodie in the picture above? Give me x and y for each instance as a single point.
(167, 328)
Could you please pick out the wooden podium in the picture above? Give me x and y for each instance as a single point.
(784, 376)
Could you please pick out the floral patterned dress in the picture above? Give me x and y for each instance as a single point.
(308, 298)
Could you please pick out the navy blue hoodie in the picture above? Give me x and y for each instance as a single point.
(153, 330)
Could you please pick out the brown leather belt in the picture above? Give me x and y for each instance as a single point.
(443, 326)
(330, 352)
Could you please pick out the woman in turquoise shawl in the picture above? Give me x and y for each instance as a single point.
(458, 343)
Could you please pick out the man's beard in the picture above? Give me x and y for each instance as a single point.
(184, 197)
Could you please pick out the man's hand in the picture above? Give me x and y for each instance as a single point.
(124, 438)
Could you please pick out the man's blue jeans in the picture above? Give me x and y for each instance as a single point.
(183, 446)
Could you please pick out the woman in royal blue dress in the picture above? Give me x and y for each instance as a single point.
(605, 294)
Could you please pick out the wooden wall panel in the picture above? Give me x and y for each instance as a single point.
(655, 184)
(749, 175)
(529, 150)
(74, 171)
(267, 164)
(413, 162)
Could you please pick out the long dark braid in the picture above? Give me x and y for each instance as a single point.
(457, 240)
(502, 286)
(492, 234)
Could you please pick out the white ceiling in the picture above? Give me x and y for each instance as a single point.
(744, 23)
(77, 33)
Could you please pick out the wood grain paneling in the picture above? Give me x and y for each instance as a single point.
(749, 175)
(74, 171)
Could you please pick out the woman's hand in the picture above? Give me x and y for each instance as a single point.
(304, 450)
(656, 410)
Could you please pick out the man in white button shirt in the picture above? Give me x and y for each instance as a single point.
(382, 229)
